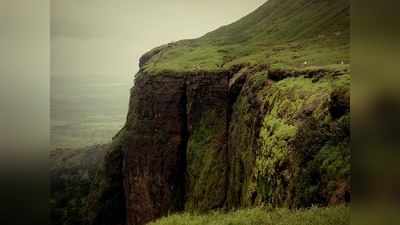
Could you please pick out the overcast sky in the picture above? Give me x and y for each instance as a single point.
(107, 37)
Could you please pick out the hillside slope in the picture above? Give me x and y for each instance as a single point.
(284, 33)
(255, 113)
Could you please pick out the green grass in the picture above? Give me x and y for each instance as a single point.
(281, 33)
(336, 215)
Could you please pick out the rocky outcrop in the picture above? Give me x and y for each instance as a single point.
(247, 113)
(288, 146)
(156, 136)
(206, 153)
(176, 143)
(204, 140)
(235, 138)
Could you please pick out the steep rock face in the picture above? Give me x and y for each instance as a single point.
(243, 137)
(303, 155)
(154, 163)
(207, 113)
(247, 112)
(289, 138)
(176, 144)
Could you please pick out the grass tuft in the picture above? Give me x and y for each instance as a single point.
(336, 215)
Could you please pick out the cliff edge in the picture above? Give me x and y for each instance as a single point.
(251, 114)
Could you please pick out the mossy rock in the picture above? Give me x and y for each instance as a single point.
(304, 155)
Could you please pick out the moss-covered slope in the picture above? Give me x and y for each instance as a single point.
(289, 140)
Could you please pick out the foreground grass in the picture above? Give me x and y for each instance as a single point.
(338, 215)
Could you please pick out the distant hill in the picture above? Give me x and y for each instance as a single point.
(72, 172)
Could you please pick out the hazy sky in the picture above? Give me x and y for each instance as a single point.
(93, 37)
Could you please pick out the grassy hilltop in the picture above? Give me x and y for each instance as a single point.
(281, 33)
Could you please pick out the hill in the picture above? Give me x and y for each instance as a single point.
(282, 33)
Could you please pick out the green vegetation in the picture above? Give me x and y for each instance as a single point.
(206, 167)
(106, 200)
(243, 135)
(304, 156)
(289, 138)
(70, 178)
(284, 34)
(337, 215)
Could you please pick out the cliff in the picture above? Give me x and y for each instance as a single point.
(254, 113)
(228, 139)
